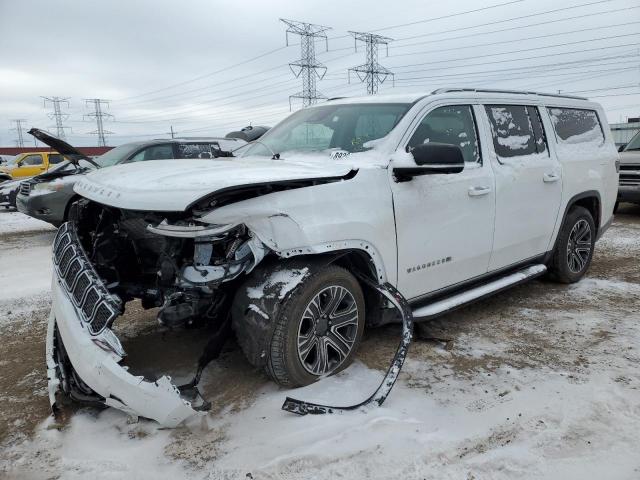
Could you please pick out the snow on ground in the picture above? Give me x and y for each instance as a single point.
(16, 222)
(539, 382)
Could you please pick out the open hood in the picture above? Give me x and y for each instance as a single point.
(60, 146)
(174, 185)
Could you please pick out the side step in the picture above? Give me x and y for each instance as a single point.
(450, 303)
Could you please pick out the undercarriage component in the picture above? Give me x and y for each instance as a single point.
(300, 407)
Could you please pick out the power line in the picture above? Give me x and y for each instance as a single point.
(99, 116)
(371, 71)
(433, 19)
(57, 113)
(257, 57)
(519, 27)
(307, 67)
(18, 129)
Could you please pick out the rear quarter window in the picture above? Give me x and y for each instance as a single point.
(576, 126)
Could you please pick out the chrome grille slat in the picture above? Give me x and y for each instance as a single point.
(94, 304)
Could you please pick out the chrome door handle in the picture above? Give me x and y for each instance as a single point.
(478, 191)
(550, 177)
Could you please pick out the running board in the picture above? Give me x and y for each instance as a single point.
(450, 303)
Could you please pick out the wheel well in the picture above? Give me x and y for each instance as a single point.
(360, 264)
(591, 203)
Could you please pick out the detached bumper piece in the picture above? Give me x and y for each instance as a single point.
(83, 353)
(378, 397)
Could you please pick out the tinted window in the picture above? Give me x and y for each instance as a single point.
(573, 125)
(55, 158)
(453, 125)
(198, 150)
(31, 160)
(511, 130)
(155, 152)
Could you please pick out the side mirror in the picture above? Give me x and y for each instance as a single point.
(622, 147)
(432, 158)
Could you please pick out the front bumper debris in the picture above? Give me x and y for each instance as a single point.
(83, 353)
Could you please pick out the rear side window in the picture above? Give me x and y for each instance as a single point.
(516, 130)
(55, 158)
(574, 125)
(198, 150)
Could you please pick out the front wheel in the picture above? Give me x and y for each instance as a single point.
(318, 330)
(574, 247)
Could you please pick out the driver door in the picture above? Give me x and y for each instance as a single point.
(444, 222)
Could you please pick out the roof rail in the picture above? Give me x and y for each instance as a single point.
(488, 90)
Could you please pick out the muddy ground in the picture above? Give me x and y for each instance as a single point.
(586, 334)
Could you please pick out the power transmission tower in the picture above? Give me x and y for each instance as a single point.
(371, 72)
(57, 113)
(307, 67)
(99, 117)
(18, 129)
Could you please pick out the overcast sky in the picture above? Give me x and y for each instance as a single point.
(185, 64)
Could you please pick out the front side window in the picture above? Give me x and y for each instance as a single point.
(453, 125)
(155, 152)
(31, 161)
(347, 128)
(574, 125)
(516, 130)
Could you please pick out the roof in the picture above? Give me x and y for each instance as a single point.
(414, 97)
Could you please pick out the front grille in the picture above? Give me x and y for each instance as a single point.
(629, 175)
(94, 304)
(25, 188)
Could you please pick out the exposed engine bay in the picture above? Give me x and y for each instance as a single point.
(167, 261)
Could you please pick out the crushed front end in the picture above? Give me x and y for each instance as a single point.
(105, 258)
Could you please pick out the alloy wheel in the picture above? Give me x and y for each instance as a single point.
(328, 330)
(579, 246)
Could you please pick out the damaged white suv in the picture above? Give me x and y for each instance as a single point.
(349, 214)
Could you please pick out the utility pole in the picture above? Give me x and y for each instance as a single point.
(307, 67)
(18, 129)
(371, 72)
(57, 113)
(99, 117)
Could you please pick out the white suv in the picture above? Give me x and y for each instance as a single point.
(352, 213)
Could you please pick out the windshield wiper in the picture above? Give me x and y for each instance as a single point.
(276, 156)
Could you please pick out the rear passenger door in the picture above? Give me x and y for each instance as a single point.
(528, 184)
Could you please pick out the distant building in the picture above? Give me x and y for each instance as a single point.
(623, 132)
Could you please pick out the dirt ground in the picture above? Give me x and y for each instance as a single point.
(585, 334)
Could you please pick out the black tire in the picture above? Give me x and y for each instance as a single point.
(284, 364)
(571, 260)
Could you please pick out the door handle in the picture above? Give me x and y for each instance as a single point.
(550, 177)
(478, 191)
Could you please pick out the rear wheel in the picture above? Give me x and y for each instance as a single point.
(318, 330)
(574, 247)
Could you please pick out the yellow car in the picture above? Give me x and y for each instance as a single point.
(30, 164)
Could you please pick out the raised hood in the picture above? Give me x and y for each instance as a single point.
(173, 185)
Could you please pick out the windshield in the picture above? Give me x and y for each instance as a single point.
(634, 144)
(345, 128)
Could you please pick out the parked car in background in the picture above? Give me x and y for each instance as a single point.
(48, 196)
(629, 187)
(31, 164)
(8, 193)
(353, 213)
